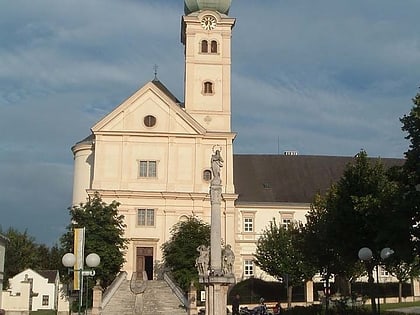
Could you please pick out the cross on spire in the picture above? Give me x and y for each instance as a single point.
(155, 68)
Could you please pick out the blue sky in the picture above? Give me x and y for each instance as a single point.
(326, 77)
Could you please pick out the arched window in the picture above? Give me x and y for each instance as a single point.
(207, 175)
(183, 218)
(208, 87)
(204, 46)
(213, 46)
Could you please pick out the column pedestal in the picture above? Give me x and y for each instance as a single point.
(216, 293)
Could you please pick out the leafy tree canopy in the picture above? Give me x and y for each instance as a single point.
(22, 252)
(411, 169)
(104, 231)
(363, 209)
(279, 254)
(180, 251)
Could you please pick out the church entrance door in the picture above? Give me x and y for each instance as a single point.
(144, 262)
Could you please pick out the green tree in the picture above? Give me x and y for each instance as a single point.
(318, 246)
(21, 253)
(180, 251)
(403, 271)
(55, 255)
(279, 253)
(411, 168)
(104, 230)
(362, 210)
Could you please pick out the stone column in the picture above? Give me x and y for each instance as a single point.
(416, 288)
(309, 292)
(219, 277)
(216, 234)
(97, 300)
(192, 300)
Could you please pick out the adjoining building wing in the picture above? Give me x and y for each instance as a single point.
(288, 178)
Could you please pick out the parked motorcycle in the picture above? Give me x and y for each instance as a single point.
(258, 310)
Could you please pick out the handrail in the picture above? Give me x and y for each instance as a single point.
(176, 290)
(110, 291)
(136, 286)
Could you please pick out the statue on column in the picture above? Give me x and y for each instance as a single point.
(203, 260)
(228, 258)
(216, 164)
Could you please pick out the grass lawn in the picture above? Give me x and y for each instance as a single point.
(390, 306)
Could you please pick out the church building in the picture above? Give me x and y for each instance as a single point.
(152, 154)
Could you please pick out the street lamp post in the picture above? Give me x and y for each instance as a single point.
(365, 254)
(92, 260)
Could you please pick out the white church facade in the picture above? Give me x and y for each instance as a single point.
(152, 154)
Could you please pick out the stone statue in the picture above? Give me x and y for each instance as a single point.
(203, 260)
(228, 260)
(216, 164)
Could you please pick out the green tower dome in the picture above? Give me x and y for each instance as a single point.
(215, 5)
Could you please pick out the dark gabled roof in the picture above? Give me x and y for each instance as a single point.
(51, 275)
(165, 90)
(288, 178)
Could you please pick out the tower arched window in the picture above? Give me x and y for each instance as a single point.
(204, 46)
(207, 175)
(213, 46)
(208, 87)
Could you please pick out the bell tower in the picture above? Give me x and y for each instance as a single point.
(206, 34)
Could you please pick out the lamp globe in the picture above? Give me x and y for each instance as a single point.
(68, 260)
(93, 260)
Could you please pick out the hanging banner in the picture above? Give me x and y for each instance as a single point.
(79, 253)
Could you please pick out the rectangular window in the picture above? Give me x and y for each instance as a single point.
(147, 168)
(146, 217)
(286, 223)
(383, 272)
(248, 225)
(248, 268)
(45, 300)
(286, 218)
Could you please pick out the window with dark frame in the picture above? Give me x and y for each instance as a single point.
(208, 87)
(204, 46)
(213, 46)
(45, 300)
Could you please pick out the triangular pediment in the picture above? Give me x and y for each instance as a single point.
(152, 100)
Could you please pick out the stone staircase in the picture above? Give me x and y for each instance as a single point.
(157, 299)
(122, 302)
(160, 300)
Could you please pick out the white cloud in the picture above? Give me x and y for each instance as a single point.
(321, 77)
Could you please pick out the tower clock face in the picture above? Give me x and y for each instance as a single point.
(208, 22)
